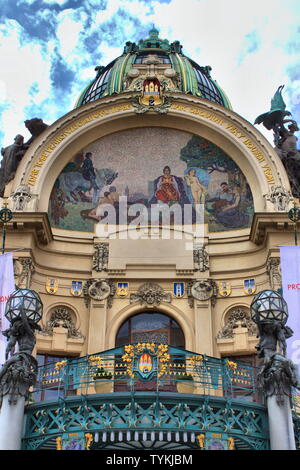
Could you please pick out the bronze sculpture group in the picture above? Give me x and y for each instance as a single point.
(284, 138)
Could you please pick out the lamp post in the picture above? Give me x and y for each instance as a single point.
(5, 216)
(277, 374)
(23, 311)
(294, 215)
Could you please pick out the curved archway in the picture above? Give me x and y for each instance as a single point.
(170, 310)
(154, 327)
(69, 136)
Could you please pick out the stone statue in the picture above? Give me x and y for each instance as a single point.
(12, 155)
(21, 197)
(280, 198)
(277, 376)
(35, 126)
(176, 47)
(17, 375)
(19, 371)
(130, 47)
(272, 334)
(99, 69)
(21, 332)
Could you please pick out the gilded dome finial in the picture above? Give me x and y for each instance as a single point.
(153, 33)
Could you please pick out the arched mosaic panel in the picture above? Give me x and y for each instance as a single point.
(151, 167)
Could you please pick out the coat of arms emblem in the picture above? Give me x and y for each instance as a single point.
(122, 289)
(51, 286)
(178, 289)
(224, 288)
(76, 288)
(249, 286)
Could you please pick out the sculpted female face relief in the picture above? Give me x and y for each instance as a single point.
(146, 168)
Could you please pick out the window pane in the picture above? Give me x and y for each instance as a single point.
(150, 327)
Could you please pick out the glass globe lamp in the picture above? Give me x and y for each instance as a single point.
(269, 306)
(24, 300)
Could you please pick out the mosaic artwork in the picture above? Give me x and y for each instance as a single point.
(151, 166)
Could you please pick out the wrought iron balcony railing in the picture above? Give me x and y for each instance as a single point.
(147, 367)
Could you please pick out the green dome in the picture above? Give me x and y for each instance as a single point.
(179, 72)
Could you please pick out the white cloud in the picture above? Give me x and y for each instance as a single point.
(53, 2)
(68, 34)
(219, 33)
(22, 65)
(214, 33)
(3, 91)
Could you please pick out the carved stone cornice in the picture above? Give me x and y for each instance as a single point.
(36, 223)
(264, 222)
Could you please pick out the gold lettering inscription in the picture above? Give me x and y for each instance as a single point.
(233, 130)
(33, 176)
(76, 125)
(254, 150)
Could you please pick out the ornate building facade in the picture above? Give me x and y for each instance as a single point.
(152, 130)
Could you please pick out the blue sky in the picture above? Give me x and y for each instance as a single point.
(49, 49)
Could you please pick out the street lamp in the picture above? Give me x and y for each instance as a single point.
(277, 375)
(5, 216)
(269, 306)
(24, 301)
(24, 311)
(269, 311)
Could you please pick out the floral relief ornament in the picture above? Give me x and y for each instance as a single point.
(100, 257)
(150, 294)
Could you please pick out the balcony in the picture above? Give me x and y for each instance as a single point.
(146, 396)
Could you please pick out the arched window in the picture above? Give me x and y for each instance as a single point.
(154, 327)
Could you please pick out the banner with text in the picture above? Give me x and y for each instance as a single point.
(290, 269)
(7, 287)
